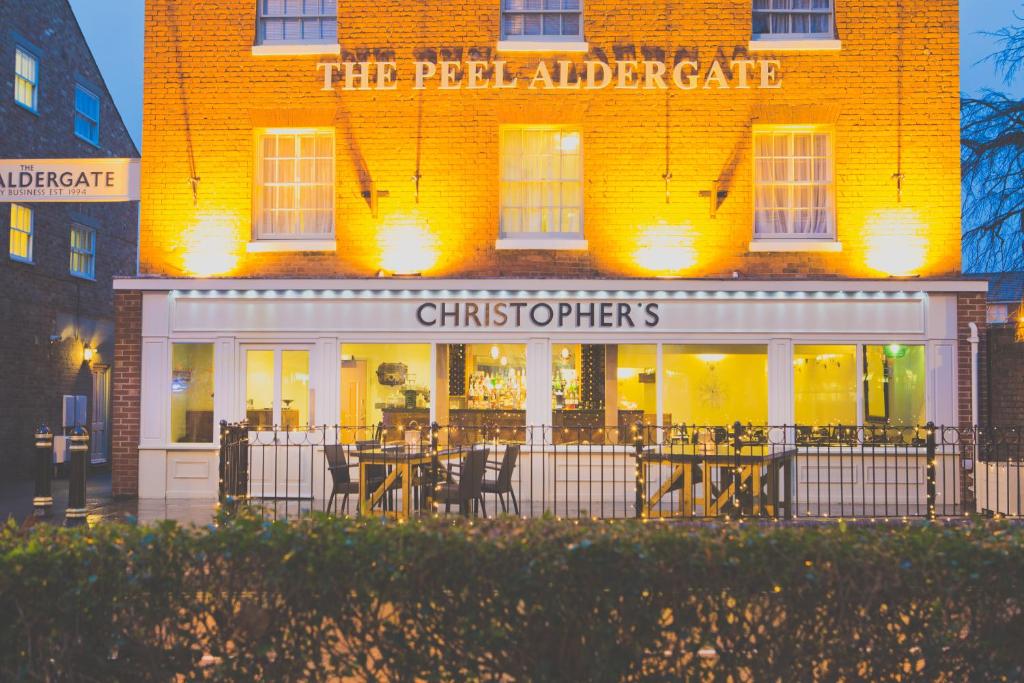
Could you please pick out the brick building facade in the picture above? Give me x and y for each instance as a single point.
(764, 190)
(49, 315)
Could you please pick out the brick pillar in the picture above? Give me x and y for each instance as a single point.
(127, 392)
(971, 308)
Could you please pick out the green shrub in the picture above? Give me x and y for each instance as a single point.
(530, 601)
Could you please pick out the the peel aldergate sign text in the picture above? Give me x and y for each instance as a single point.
(738, 73)
(520, 314)
(69, 180)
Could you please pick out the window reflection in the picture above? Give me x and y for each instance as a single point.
(825, 385)
(894, 385)
(259, 389)
(277, 388)
(192, 393)
(294, 389)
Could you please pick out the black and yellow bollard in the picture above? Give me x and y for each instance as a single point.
(79, 449)
(42, 502)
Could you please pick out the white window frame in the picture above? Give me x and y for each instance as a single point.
(789, 241)
(262, 239)
(824, 35)
(541, 42)
(89, 252)
(79, 114)
(30, 233)
(30, 55)
(262, 16)
(540, 240)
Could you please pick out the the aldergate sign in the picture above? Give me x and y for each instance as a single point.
(69, 180)
(739, 73)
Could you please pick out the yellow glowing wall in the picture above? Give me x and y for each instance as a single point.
(205, 94)
(825, 385)
(716, 385)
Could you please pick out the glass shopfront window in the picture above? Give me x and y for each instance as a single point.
(277, 388)
(825, 385)
(487, 390)
(636, 386)
(192, 393)
(384, 383)
(599, 392)
(894, 385)
(716, 385)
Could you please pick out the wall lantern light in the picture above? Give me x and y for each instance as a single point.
(87, 353)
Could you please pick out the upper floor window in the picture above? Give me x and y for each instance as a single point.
(298, 21)
(21, 233)
(542, 20)
(794, 193)
(294, 184)
(83, 251)
(792, 19)
(541, 182)
(26, 78)
(87, 115)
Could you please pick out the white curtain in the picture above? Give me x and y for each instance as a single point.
(541, 189)
(294, 196)
(793, 184)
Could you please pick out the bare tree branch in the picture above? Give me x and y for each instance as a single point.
(992, 159)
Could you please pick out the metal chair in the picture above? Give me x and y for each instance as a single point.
(341, 476)
(468, 487)
(502, 484)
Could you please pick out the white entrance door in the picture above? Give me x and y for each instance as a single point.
(284, 447)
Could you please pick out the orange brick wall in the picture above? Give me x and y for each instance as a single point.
(205, 93)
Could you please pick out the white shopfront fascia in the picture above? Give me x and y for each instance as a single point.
(327, 313)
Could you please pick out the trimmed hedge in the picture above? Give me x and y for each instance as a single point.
(529, 601)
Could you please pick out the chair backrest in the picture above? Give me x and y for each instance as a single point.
(473, 469)
(508, 465)
(338, 463)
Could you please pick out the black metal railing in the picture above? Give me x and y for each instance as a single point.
(648, 472)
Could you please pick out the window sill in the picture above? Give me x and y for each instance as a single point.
(544, 244)
(95, 144)
(18, 259)
(295, 49)
(543, 46)
(795, 45)
(83, 276)
(795, 245)
(266, 246)
(25, 107)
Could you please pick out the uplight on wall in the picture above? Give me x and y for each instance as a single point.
(896, 243)
(211, 247)
(665, 249)
(407, 246)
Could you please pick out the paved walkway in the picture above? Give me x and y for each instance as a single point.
(16, 501)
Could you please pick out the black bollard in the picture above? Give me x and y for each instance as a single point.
(79, 448)
(43, 500)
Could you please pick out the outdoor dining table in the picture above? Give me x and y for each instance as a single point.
(735, 470)
(401, 463)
